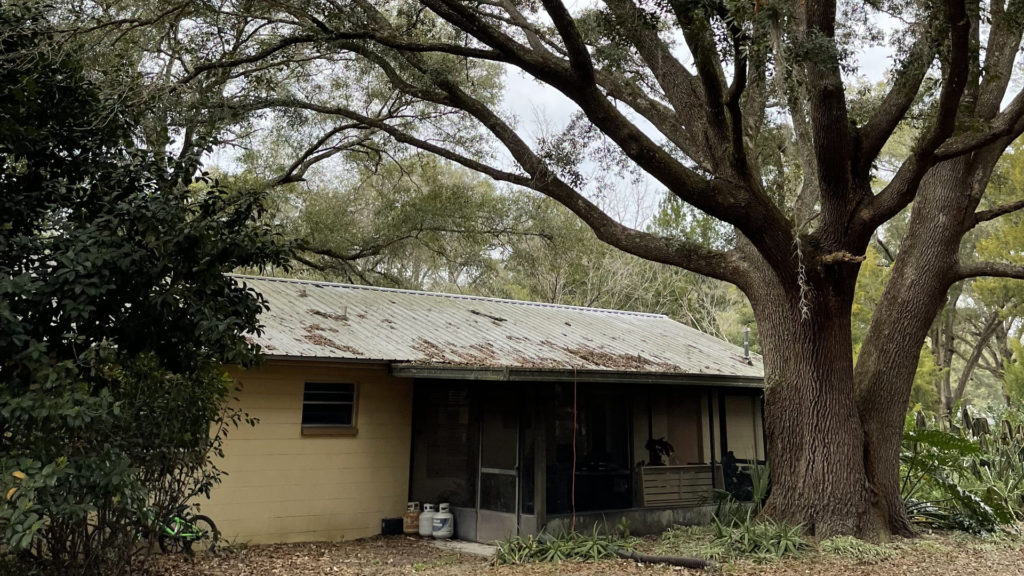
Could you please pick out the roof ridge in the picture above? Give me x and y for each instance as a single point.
(323, 283)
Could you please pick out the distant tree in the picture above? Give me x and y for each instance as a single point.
(741, 111)
(419, 224)
(115, 315)
(426, 224)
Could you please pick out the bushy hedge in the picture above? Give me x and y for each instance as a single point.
(115, 314)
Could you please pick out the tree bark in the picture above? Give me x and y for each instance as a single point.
(834, 431)
(814, 437)
(916, 291)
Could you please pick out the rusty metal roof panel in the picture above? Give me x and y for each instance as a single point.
(309, 319)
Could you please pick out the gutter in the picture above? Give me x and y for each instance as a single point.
(434, 371)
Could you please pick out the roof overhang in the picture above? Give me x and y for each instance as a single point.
(509, 374)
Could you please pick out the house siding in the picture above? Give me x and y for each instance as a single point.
(282, 486)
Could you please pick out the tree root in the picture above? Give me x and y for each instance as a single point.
(693, 563)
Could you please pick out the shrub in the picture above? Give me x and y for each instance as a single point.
(758, 538)
(966, 478)
(591, 546)
(115, 314)
(850, 547)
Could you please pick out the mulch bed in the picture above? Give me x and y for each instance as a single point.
(930, 555)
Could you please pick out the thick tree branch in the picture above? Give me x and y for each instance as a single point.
(903, 187)
(1007, 125)
(535, 37)
(675, 251)
(699, 36)
(893, 108)
(992, 269)
(667, 120)
(575, 47)
(679, 87)
(992, 214)
(1004, 38)
(334, 36)
(830, 122)
(464, 18)
(733, 97)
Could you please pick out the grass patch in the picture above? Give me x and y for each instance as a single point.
(689, 542)
(850, 547)
(446, 560)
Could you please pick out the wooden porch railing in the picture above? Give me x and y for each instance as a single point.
(663, 486)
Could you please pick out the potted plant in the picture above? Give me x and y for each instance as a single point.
(659, 450)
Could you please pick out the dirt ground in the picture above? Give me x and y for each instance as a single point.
(931, 555)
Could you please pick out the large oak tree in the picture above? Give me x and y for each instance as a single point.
(741, 109)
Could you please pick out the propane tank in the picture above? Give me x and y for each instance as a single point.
(444, 522)
(427, 520)
(411, 519)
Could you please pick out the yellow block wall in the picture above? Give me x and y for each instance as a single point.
(285, 487)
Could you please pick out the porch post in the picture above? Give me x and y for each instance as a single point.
(540, 460)
(715, 407)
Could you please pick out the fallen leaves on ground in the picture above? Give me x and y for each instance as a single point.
(928, 555)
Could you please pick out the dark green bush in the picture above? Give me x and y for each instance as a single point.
(965, 478)
(115, 314)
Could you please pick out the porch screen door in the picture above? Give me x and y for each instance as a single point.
(498, 505)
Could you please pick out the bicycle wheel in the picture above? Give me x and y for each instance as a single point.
(200, 534)
(170, 543)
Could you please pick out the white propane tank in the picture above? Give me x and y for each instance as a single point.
(444, 522)
(427, 520)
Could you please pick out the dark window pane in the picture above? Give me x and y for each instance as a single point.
(498, 492)
(500, 432)
(328, 404)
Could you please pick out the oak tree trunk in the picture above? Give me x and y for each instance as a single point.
(815, 440)
(833, 430)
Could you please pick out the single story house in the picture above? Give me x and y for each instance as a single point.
(520, 414)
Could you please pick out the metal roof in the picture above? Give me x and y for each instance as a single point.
(322, 320)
